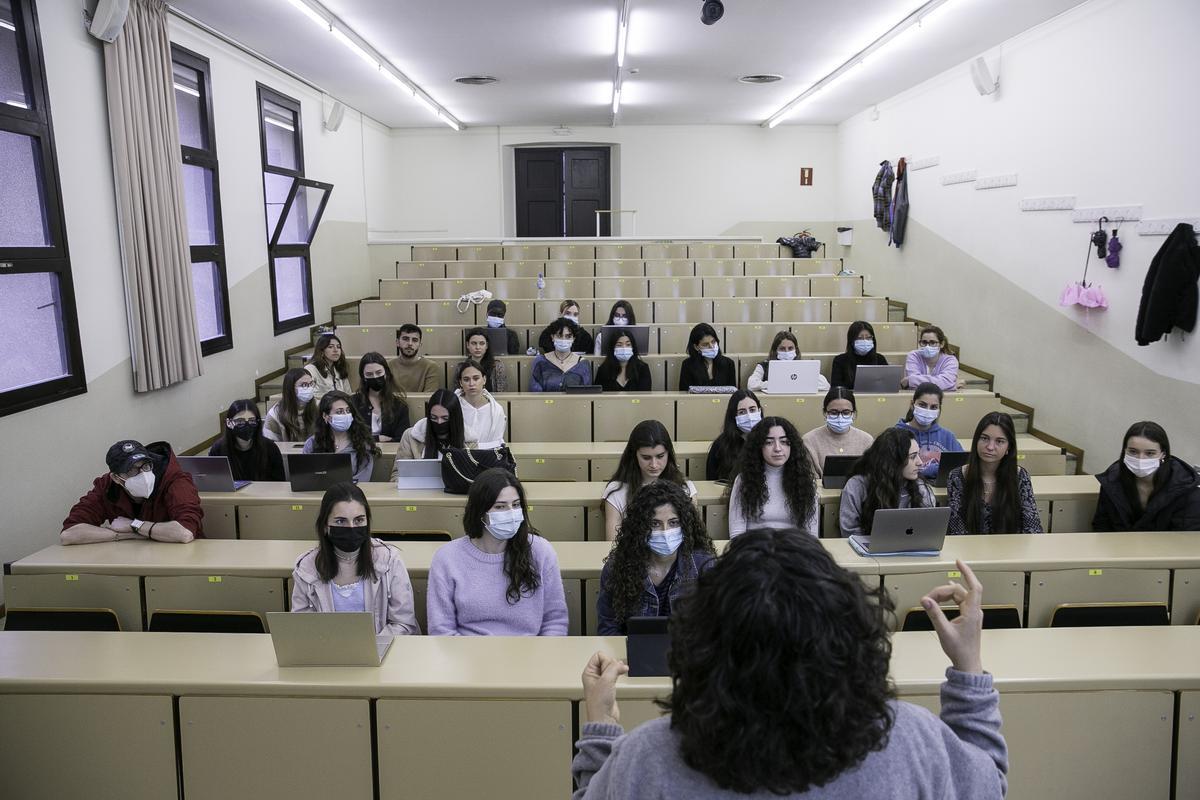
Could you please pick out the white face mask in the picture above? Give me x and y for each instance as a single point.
(304, 394)
(140, 486)
(504, 524)
(341, 422)
(495, 322)
(1143, 467)
(710, 352)
(563, 345)
(573, 317)
(620, 321)
(785, 355)
(666, 542)
(924, 416)
(929, 351)
(837, 423)
(622, 354)
(748, 420)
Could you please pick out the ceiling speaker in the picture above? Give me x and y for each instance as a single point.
(108, 19)
(981, 76)
(333, 120)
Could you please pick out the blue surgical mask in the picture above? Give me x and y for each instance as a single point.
(563, 345)
(838, 423)
(929, 351)
(573, 317)
(341, 422)
(305, 394)
(710, 352)
(925, 416)
(748, 420)
(666, 542)
(620, 321)
(863, 346)
(785, 355)
(622, 354)
(495, 322)
(504, 524)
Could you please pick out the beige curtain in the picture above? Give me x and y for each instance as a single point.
(153, 226)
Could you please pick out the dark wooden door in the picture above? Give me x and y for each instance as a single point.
(558, 191)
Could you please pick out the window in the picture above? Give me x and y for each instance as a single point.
(294, 206)
(202, 198)
(41, 361)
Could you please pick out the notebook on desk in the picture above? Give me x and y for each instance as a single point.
(210, 473)
(335, 639)
(904, 532)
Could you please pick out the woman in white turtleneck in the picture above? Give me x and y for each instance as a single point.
(776, 485)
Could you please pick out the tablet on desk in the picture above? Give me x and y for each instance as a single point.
(646, 645)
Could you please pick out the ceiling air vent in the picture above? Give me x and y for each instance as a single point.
(476, 80)
(765, 78)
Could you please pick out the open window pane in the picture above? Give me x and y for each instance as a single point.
(22, 199)
(279, 129)
(35, 345)
(275, 189)
(198, 199)
(189, 102)
(206, 284)
(303, 215)
(291, 287)
(14, 83)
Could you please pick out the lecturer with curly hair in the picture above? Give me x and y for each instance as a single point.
(779, 668)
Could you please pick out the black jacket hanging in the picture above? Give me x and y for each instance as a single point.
(900, 204)
(1170, 293)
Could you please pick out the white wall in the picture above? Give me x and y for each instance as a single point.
(62, 445)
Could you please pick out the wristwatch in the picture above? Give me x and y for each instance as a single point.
(136, 525)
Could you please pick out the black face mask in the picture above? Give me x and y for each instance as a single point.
(245, 431)
(348, 539)
(441, 429)
(376, 384)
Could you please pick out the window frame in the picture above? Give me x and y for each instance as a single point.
(36, 122)
(278, 251)
(297, 183)
(207, 159)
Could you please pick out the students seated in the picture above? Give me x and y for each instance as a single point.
(779, 671)
(931, 362)
(562, 366)
(479, 350)
(785, 347)
(860, 351)
(294, 416)
(482, 415)
(622, 369)
(921, 420)
(991, 494)
(497, 310)
(251, 456)
(349, 570)
(775, 486)
(704, 365)
(415, 374)
(379, 400)
(648, 457)
(441, 427)
(742, 413)
(887, 476)
(340, 430)
(502, 578)
(328, 367)
(838, 436)
(660, 551)
(1148, 489)
(144, 495)
(621, 314)
(568, 310)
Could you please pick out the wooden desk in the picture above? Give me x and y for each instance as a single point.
(1087, 712)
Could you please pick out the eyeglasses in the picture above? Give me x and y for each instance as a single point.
(842, 414)
(239, 424)
(340, 412)
(930, 343)
(142, 466)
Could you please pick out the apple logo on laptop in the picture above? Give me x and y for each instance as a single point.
(908, 531)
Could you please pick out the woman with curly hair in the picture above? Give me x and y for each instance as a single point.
(340, 429)
(502, 578)
(648, 457)
(790, 694)
(661, 549)
(742, 412)
(776, 486)
(887, 476)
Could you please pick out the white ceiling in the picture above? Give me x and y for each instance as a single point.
(556, 58)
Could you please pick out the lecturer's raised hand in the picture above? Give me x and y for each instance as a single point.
(960, 637)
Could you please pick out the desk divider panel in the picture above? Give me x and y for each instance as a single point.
(1187, 745)
(522, 269)
(487, 252)
(620, 268)
(558, 419)
(1073, 516)
(531, 468)
(742, 309)
(213, 593)
(849, 309)
(454, 288)
(1000, 588)
(472, 270)
(1049, 589)
(615, 416)
(121, 593)
(786, 311)
(387, 312)
(1185, 605)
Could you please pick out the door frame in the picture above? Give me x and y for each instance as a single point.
(508, 180)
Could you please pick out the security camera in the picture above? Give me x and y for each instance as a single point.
(711, 11)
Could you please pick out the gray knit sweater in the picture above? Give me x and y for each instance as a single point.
(962, 755)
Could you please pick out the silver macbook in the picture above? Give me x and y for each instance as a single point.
(793, 377)
(883, 379)
(327, 640)
(905, 532)
(419, 473)
(210, 473)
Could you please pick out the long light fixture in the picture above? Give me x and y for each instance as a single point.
(910, 22)
(361, 48)
(622, 38)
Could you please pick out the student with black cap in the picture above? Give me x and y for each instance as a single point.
(144, 495)
(496, 311)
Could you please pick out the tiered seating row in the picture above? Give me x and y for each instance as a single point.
(624, 287)
(618, 268)
(626, 250)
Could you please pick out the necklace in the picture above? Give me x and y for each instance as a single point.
(348, 558)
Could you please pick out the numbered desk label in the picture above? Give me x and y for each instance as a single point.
(953, 574)
(71, 577)
(1093, 572)
(214, 578)
(297, 508)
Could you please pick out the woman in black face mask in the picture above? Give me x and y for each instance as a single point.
(379, 399)
(350, 571)
(251, 456)
(442, 427)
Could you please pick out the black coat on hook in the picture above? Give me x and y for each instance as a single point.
(1170, 293)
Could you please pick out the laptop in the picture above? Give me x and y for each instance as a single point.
(210, 473)
(836, 471)
(335, 639)
(316, 472)
(904, 532)
(646, 645)
(947, 463)
(639, 333)
(419, 473)
(793, 377)
(878, 379)
(497, 341)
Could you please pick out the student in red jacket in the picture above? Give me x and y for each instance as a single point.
(144, 495)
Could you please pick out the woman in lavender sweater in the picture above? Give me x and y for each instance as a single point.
(501, 579)
(779, 664)
(931, 362)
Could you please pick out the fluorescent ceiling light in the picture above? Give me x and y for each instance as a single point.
(179, 87)
(308, 11)
(912, 20)
(622, 37)
(354, 47)
(616, 98)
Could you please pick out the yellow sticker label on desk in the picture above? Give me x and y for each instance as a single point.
(410, 508)
(548, 402)
(635, 401)
(214, 578)
(539, 461)
(1095, 572)
(71, 577)
(953, 574)
(297, 508)
(960, 399)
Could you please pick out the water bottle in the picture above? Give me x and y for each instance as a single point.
(541, 284)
